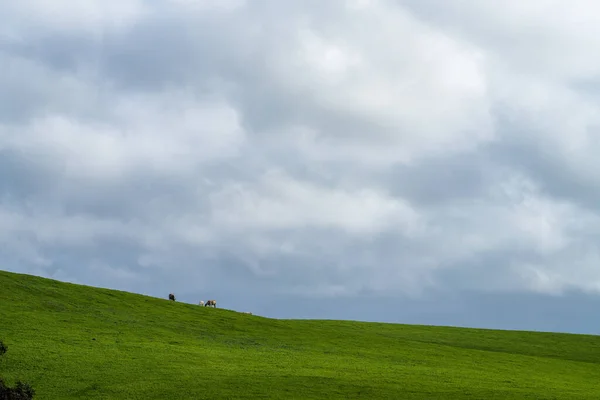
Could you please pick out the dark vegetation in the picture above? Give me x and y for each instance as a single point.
(21, 391)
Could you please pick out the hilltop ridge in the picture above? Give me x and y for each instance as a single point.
(72, 341)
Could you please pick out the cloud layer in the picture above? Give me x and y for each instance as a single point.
(328, 149)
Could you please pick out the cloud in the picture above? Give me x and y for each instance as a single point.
(90, 17)
(279, 202)
(204, 132)
(426, 94)
(338, 149)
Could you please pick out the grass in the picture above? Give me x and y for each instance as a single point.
(77, 342)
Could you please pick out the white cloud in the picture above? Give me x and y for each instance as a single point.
(279, 202)
(420, 90)
(142, 138)
(208, 5)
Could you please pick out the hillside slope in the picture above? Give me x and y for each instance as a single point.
(77, 342)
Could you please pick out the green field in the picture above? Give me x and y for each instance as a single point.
(78, 342)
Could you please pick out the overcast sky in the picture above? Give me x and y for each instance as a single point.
(422, 161)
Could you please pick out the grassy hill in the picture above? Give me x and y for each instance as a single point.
(78, 342)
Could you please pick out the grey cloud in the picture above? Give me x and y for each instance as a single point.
(24, 176)
(57, 51)
(444, 179)
(556, 178)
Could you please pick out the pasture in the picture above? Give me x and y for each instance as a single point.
(78, 342)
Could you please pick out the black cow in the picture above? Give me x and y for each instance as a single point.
(210, 303)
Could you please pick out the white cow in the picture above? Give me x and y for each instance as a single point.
(201, 303)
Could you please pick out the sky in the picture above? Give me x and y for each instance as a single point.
(414, 161)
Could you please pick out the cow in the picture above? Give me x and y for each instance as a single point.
(201, 303)
(210, 303)
(171, 297)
